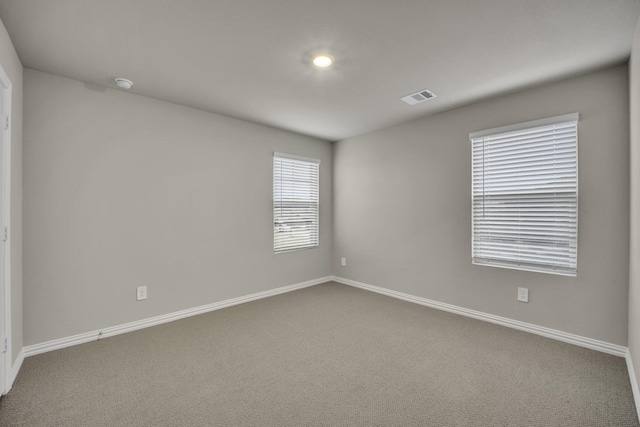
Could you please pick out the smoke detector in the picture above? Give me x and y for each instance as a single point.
(123, 83)
(418, 97)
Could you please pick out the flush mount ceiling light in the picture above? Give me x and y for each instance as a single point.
(123, 83)
(322, 61)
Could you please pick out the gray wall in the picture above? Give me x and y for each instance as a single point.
(123, 191)
(634, 256)
(12, 66)
(402, 209)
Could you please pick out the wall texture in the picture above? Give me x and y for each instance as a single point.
(11, 64)
(123, 191)
(402, 209)
(634, 256)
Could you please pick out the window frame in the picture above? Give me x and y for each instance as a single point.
(309, 212)
(504, 261)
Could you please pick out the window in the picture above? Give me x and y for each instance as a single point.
(525, 196)
(295, 202)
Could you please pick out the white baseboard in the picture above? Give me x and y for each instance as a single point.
(15, 368)
(157, 320)
(634, 381)
(581, 341)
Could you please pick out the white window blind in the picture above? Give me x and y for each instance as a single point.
(295, 202)
(525, 196)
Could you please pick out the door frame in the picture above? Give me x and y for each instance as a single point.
(5, 285)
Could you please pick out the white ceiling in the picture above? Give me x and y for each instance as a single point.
(249, 59)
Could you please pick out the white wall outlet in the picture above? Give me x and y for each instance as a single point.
(343, 261)
(141, 293)
(523, 294)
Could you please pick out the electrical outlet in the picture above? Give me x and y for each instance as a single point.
(141, 293)
(523, 294)
(343, 261)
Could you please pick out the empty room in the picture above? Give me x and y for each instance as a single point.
(320, 213)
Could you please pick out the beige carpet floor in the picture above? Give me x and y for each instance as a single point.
(329, 355)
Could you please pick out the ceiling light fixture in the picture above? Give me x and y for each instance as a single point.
(322, 61)
(123, 83)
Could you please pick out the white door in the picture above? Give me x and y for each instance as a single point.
(5, 359)
(5, 290)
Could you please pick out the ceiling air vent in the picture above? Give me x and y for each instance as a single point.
(418, 97)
